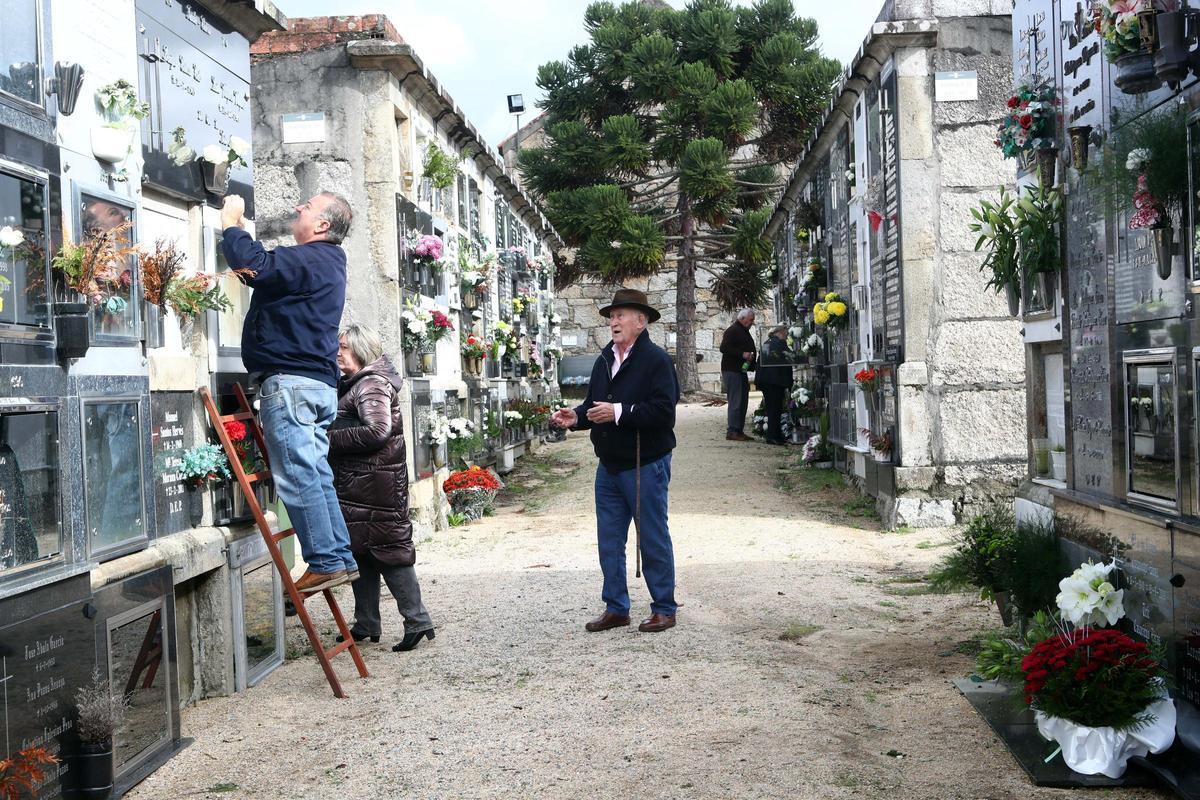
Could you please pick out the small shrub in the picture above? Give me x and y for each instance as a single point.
(100, 711)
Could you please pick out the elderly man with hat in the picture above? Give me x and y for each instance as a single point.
(630, 411)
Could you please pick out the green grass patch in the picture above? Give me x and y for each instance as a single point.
(862, 507)
(912, 590)
(797, 631)
(889, 604)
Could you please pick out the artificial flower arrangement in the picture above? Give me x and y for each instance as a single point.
(813, 345)
(204, 464)
(505, 339)
(518, 305)
(244, 446)
(816, 450)
(1149, 211)
(803, 402)
(543, 265)
(1117, 23)
(234, 154)
(428, 249)
(814, 276)
(414, 327)
(867, 378)
(440, 327)
(1028, 122)
(1096, 692)
(473, 347)
(514, 419)
(98, 268)
(831, 311)
(471, 491)
(474, 282)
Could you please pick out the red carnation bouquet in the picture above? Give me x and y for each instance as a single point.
(1094, 677)
(471, 491)
(440, 326)
(244, 446)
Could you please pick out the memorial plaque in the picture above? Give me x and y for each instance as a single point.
(171, 429)
(44, 658)
(1033, 39)
(1140, 294)
(1082, 85)
(1185, 580)
(196, 76)
(1090, 361)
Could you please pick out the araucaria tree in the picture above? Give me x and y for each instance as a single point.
(666, 137)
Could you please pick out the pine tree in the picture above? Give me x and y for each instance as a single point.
(666, 139)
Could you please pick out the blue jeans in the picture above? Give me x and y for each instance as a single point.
(295, 413)
(615, 497)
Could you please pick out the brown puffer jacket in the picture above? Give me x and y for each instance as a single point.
(368, 457)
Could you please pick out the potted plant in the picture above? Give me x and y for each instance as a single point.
(100, 713)
(996, 225)
(1120, 27)
(439, 168)
(1058, 461)
(119, 104)
(217, 159)
(472, 491)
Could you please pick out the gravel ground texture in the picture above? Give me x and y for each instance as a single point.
(809, 660)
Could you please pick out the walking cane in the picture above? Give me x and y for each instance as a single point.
(637, 503)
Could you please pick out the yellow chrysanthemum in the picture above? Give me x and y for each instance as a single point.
(829, 298)
(837, 308)
(820, 316)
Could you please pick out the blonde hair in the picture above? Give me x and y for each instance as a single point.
(364, 342)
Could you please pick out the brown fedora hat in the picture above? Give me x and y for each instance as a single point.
(631, 298)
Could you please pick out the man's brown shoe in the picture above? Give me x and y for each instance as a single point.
(319, 581)
(738, 437)
(656, 623)
(606, 621)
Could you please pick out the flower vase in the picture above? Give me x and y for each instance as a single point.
(1135, 73)
(111, 144)
(470, 301)
(427, 360)
(438, 452)
(1172, 59)
(1106, 751)
(216, 177)
(1013, 294)
(412, 363)
(881, 456)
(95, 770)
(195, 506)
(1047, 165)
(1058, 464)
(1164, 241)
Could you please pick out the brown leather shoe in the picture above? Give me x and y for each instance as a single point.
(319, 581)
(606, 621)
(657, 623)
(738, 437)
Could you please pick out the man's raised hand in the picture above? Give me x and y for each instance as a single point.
(233, 211)
(564, 418)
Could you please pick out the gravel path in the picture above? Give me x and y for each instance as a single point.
(808, 661)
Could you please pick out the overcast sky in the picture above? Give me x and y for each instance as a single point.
(482, 50)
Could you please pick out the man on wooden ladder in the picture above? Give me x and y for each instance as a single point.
(289, 347)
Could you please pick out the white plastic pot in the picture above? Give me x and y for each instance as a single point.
(1106, 751)
(111, 145)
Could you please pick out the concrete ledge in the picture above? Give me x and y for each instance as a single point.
(190, 554)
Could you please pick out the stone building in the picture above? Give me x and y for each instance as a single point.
(366, 135)
(584, 331)
(880, 201)
(108, 560)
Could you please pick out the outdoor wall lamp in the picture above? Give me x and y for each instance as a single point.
(66, 83)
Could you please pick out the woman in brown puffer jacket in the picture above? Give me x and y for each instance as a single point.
(370, 474)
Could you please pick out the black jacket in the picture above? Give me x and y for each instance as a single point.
(774, 366)
(370, 464)
(735, 341)
(292, 324)
(648, 390)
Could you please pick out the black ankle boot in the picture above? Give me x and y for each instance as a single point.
(357, 638)
(411, 640)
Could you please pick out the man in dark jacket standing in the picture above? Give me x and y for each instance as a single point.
(737, 348)
(630, 410)
(290, 345)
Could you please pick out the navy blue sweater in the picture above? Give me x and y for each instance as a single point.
(299, 292)
(648, 390)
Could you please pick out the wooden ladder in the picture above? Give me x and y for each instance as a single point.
(245, 481)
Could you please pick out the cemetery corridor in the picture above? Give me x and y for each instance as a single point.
(809, 660)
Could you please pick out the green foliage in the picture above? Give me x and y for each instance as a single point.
(1000, 656)
(1164, 134)
(1020, 234)
(439, 167)
(667, 128)
(1039, 217)
(996, 225)
(996, 554)
(119, 101)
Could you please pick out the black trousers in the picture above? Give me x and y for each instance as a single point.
(773, 398)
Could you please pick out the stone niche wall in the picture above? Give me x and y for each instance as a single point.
(962, 388)
(579, 308)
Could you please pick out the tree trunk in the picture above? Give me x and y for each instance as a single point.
(685, 305)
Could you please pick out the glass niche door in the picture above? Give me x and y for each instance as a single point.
(1151, 430)
(257, 592)
(113, 490)
(107, 222)
(31, 529)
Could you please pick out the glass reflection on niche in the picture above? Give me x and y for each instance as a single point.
(258, 615)
(136, 653)
(30, 528)
(111, 292)
(22, 252)
(1151, 398)
(20, 72)
(112, 452)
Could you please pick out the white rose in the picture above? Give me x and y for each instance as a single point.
(239, 146)
(183, 156)
(215, 154)
(416, 326)
(11, 237)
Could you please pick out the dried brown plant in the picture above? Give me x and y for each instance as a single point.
(159, 267)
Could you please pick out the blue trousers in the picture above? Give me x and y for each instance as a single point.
(615, 498)
(295, 413)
